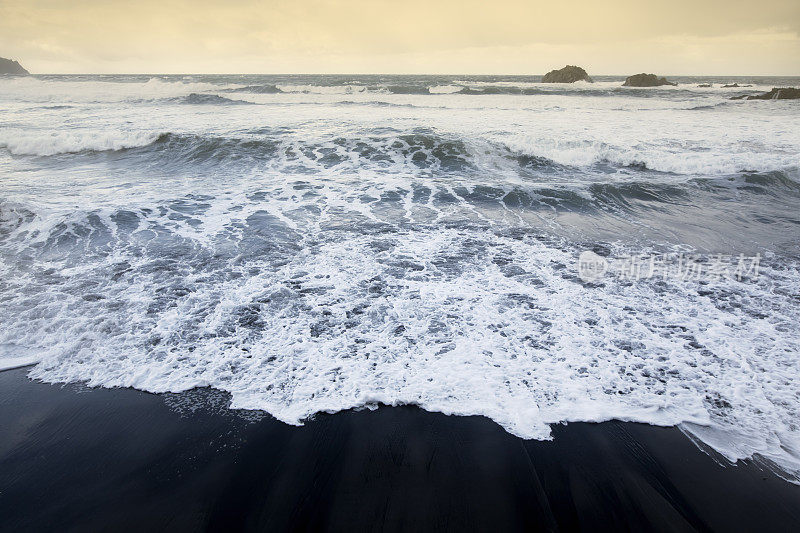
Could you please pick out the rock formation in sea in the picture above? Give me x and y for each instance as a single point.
(705, 85)
(777, 93)
(646, 80)
(568, 74)
(8, 66)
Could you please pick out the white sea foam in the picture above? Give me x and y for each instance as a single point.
(30, 89)
(466, 320)
(51, 143)
(445, 89)
(13, 356)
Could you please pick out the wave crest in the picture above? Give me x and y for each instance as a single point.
(209, 99)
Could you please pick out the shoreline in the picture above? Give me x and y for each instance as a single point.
(74, 457)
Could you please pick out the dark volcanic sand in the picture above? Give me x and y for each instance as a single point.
(73, 458)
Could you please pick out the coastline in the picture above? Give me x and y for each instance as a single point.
(79, 458)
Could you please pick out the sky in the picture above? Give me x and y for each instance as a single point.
(691, 37)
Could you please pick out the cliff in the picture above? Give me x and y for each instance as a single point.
(7, 66)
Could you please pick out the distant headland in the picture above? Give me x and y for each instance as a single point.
(8, 66)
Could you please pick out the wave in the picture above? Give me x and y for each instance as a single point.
(493, 90)
(208, 99)
(75, 89)
(179, 149)
(257, 89)
(415, 150)
(710, 106)
(526, 182)
(775, 182)
(373, 103)
(419, 153)
(780, 184)
(408, 89)
(594, 195)
(323, 89)
(76, 142)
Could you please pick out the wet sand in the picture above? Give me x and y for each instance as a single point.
(73, 458)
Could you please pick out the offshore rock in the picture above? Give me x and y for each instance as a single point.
(568, 74)
(777, 93)
(646, 80)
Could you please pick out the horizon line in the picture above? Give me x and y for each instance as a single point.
(378, 74)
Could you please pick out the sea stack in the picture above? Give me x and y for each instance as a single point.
(12, 68)
(646, 80)
(777, 93)
(568, 74)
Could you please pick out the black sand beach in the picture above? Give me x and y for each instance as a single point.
(73, 458)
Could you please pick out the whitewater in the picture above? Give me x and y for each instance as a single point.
(318, 243)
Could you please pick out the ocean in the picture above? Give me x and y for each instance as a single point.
(314, 243)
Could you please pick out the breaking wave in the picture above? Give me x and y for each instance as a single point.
(257, 89)
(298, 299)
(208, 99)
(417, 150)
